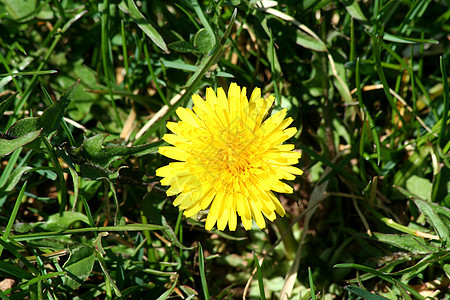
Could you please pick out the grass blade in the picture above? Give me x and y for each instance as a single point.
(201, 266)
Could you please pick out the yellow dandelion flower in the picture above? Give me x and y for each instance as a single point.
(230, 158)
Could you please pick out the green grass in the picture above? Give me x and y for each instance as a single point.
(83, 216)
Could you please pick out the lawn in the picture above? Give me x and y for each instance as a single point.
(108, 150)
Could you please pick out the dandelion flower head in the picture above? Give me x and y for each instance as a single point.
(230, 158)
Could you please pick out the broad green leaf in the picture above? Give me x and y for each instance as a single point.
(353, 9)
(441, 187)
(79, 265)
(363, 293)
(19, 9)
(307, 41)
(6, 103)
(403, 241)
(203, 42)
(440, 225)
(446, 268)
(419, 186)
(62, 222)
(130, 8)
(49, 121)
(8, 146)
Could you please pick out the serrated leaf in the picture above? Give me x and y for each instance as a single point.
(79, 265)
(95, 159)
(130, 8)
(203, 42)
(63, 221)
(440, 225)
(404, 241)
(49, 121)
(8, 146)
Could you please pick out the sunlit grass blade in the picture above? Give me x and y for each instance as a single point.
(44, 72)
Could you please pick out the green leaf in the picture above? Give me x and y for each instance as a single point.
(43, 72)
(6, 103)
(13, 270)
(130, 8)
(128, 227)
(19, 9)
(362, 293)
(8, 146)
(182, 46)
(262, 295)
(307, 41)
(440, 225)
(79, 265)
(419, 186)
(203, 42)
(404, 40)
(62, 222)
(14, 177)
(354, 10)
(95, 159)
(403, 241)
(49, 121)
(403, 287)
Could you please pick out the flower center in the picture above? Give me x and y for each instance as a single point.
(231, 155)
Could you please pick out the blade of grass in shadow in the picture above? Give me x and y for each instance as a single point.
(13, 215)
(377, 49)
(333, 166)
(362, 293)
(443, 139)
(402, 287)
(106, 56)
(376, 139)
(192, 83)
(42, 235)
(201, 266)
(262, 295)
